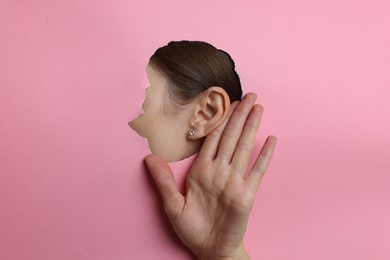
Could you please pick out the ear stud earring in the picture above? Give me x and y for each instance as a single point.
(191, 132)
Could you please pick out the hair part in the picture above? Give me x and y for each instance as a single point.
(191, 67)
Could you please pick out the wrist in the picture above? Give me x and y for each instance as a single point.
(240, 254)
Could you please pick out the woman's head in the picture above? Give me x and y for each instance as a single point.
(191, 67)
(191, 87)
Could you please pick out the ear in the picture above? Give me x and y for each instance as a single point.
(211, 109)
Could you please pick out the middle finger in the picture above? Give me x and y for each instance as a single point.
(233, 129)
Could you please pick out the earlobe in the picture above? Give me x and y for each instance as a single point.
(211, 109)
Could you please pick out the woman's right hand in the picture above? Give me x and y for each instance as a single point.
(211, 218)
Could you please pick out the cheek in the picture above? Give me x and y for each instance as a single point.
(159, 141)
(159, 130)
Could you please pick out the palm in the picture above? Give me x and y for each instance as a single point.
(211, 218)
(215, 210)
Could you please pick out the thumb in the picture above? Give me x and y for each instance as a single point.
(163, 177)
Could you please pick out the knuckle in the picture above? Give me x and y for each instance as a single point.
(252, 124)
(242, 146)
(229, 132)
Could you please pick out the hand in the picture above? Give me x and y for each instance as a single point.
(211, 218)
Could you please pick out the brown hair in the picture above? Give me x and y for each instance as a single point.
(191, 67)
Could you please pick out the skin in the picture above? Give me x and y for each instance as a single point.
(166, 127)
(211, 219)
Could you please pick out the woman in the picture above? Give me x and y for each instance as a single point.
(211, 218)
(191, 87)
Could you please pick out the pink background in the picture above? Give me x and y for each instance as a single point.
(72, 73)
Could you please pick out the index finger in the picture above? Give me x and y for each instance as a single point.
(210, 144)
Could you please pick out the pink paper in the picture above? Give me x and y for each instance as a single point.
(72, 74)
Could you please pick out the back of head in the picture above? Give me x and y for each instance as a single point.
(191, 67)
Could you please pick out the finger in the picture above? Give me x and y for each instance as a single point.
(162, 174)
(261, 164)
(210, 144)
(233, 129)
(247, 139)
